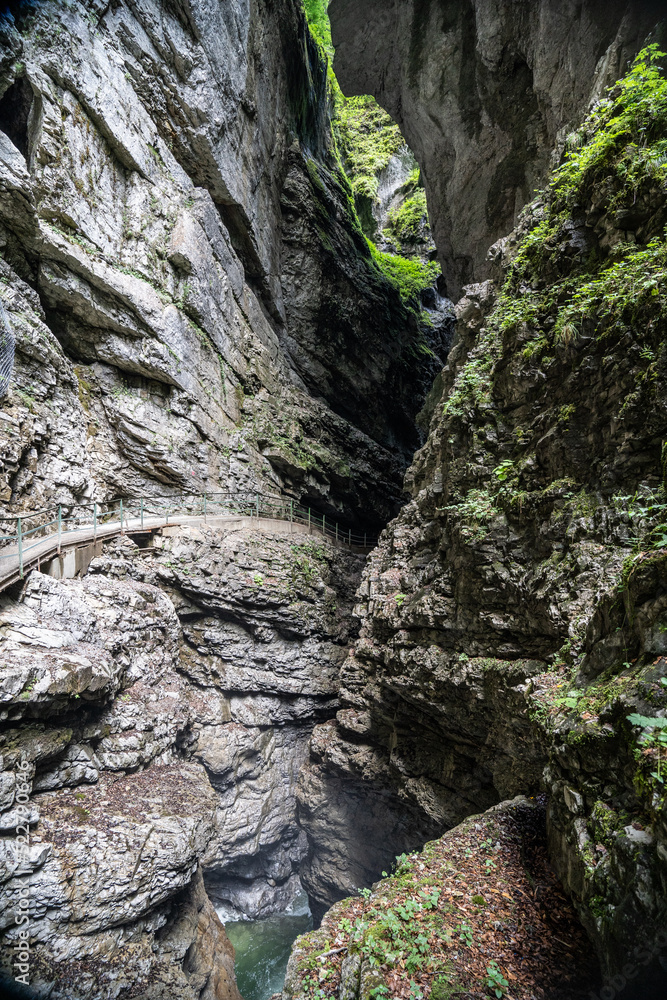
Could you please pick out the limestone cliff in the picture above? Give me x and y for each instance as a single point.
(194, 303)
(512, 615)
(481, 91)
(197, 307)
(159, 712)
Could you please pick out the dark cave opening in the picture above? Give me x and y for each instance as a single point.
(15, 106)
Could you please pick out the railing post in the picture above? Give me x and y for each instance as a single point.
(204, 508)
(365, 546)
(19, 534)
(309, 520)
(60, 525)
(257, 503)
(94, 522)
(142, 513)
(349, 537)
(336, 532)
(121, 517)
(291, 511)
(324, 527)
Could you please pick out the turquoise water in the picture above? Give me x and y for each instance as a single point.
(263, 947)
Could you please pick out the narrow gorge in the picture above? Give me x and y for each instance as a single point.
(332, 468)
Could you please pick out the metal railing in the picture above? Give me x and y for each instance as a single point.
(73, 524)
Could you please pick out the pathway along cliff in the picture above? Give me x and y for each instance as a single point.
(219, 275)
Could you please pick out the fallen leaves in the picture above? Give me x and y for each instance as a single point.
(513, 914)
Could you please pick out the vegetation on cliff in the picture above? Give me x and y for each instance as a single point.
(537, 533)
(460, 918)
(318, 22)
(366, 138)
(406, 222)
(586, 273)
(552, 432)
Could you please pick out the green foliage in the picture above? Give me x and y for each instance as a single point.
(402, 865)
(406, 222)
(474, 512)
(630, 292)
(465, 934)
(318, 22)
(368, 139)
(652, 722)
(504, 470)
(395, 935)
(620, 146)
(495, 980)
(648, 517)
(472, 386)
(409, 276)
(653, 739)
(624, 134)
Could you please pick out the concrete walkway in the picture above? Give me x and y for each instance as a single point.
(76, 548)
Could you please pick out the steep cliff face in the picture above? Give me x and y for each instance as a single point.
(158, 713)
(194, 304)
(481, 91)
(512, 614)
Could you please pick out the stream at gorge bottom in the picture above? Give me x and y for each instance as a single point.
(263, 948)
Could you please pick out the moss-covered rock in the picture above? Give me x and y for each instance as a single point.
(513, 612)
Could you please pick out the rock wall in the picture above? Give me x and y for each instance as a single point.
(194, 304)
(159, 711)
(512, 614)
(481, 91)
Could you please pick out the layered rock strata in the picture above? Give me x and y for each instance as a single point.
(513, 614)
(194, 304)
(481, 92)
(159, 711)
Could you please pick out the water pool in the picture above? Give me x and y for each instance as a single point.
(263, 947)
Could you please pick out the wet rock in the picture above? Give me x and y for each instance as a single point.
(481, 92)
(182, 766)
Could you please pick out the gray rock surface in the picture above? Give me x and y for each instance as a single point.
(510, 625)
(160, 711)
(481, 91)
(178, 248)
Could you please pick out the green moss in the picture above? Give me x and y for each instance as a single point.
(406, 222)
(621, 145)
(368, 139)
(583, 504)
(409, 276)
(85, 387)
(604, 823)
(316, 12)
